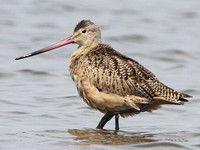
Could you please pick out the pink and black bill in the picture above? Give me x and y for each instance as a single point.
(67, 41)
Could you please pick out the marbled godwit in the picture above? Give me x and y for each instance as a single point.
(109, 81)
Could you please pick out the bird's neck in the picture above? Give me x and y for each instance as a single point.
(89, 43)
(83, 50)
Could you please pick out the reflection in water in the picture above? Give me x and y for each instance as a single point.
(105, 137)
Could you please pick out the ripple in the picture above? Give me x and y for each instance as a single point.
(47, 116)
(189, 15)
(67, 7)
(131, 38)
(167, 59)
(125, 12)
(55, 131)
(19, 112)
(34, 72)
(175, 51)
(46, 25)
(176, 67)
(8, 23)
(171, 55)
(168, 145)
(6, 75)
(14, 103)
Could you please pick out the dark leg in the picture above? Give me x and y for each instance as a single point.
(117, 122)
(105, 119)
(109, 115)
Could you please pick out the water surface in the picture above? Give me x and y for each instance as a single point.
(39, 104)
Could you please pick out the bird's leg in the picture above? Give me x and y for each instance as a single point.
(105, 119)
(117, 122)
(109, 115)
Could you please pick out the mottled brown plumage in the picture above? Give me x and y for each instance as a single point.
(109, 81)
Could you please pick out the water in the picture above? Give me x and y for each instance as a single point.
(39, 105)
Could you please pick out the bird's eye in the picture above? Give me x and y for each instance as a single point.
(84, 31)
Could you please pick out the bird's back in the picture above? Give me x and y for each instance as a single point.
(113, 73)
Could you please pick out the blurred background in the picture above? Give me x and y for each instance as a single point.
(39, 105)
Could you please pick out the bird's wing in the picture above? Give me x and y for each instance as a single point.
(112, 72)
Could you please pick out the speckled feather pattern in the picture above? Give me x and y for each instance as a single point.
(82, 24)
(111, 72)
(110, 81)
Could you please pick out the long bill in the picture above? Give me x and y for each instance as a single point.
(69, 40)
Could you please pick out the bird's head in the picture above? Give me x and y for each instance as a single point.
(86, 33)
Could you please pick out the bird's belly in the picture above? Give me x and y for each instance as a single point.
(104, 102)
(101, 100)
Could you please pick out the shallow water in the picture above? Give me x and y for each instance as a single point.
(39, 104)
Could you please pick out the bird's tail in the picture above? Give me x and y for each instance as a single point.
(168, 94)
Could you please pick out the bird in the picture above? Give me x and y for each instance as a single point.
(109, 81)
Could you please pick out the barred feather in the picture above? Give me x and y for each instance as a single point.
(110, 81)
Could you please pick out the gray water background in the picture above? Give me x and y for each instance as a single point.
(39, 105)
